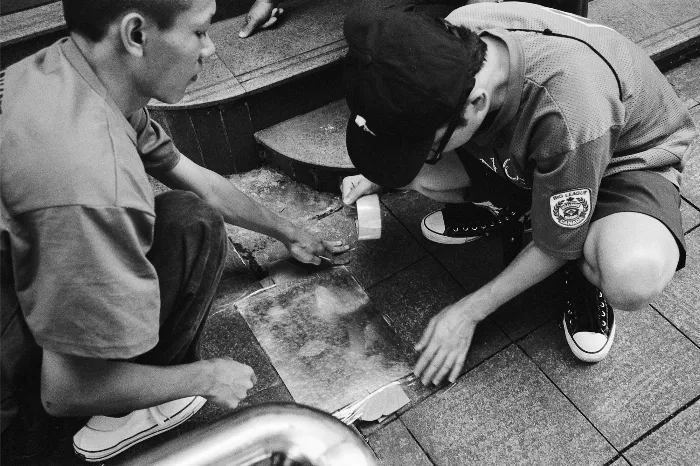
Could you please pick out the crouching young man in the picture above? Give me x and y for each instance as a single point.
(529, 108)
(105, 290)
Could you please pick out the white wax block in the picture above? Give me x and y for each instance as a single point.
(369, 217)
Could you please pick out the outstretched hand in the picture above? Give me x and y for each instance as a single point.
(307, 248)
(446, 341)
(262, 15)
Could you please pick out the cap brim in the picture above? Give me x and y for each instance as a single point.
(389, 162)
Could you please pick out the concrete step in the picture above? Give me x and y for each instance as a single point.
(311, 147)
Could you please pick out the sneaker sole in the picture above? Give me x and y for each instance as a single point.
(585, 356)
(442, 239)
(95, 456)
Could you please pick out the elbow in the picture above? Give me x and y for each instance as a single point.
(56, 403)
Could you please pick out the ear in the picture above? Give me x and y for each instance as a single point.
(132, 33)
(480, 100)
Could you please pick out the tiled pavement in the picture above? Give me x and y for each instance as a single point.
(524, 399)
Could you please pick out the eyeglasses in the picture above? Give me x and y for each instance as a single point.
(434, 156)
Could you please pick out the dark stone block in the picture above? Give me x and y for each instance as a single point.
(293, 98)
(181, 130)
(239, 132)
(216, 151)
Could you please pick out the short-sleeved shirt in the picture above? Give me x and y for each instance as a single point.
(577, 108)
(77, 207)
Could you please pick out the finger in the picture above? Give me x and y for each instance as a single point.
(248, 28)
(280, 11)
(444, 369)
(425, 359)
(434, 366)
(269, 22)
(427, 334)
(457, 367)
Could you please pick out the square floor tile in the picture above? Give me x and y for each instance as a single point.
(529, 310)
(691, 173)
(505, 412)
(626, 18)
(650, 372)
(680, 302)
(677, 442)
(394, 446)
(690, 215)
(412, 296)
(306, 25)
(372, 261)
(226, 334)
(685, 80)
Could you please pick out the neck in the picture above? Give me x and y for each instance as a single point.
(494, 74)
(110, 68)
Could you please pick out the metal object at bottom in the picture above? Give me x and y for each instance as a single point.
(279, 434)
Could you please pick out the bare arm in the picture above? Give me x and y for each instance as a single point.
(239, 209)
(447, 338)
(74, 386)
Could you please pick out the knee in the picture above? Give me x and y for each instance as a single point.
(632, 283)
(184, 211)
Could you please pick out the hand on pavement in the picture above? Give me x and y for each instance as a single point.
(307, 248)
(354, 187)
(261, 15)
(446, 341)
(231, 381)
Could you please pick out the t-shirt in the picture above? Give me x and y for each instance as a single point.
(573, 115)
(77, 212)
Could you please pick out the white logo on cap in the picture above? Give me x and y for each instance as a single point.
(362, 123)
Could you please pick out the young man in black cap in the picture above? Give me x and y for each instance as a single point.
(513, 102)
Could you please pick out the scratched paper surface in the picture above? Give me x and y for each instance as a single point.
(324, 339)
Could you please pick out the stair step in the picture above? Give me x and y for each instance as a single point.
(311, 147)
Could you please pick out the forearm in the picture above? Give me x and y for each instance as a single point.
(530, 267)
(74, 386)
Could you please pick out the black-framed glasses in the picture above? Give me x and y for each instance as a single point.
(435, 156)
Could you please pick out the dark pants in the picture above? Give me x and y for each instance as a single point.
(188, 253)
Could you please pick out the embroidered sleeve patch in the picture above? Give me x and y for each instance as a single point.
(571, 209)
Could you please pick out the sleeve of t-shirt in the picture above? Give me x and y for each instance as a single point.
(565, 190)
(83, 280)
(157, 150)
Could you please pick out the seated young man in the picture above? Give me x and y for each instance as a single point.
(520, 104)
(105, 290)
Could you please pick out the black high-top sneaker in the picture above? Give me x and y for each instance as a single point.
(462, 223)
(589, 321)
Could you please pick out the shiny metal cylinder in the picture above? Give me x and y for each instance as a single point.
(276, 434)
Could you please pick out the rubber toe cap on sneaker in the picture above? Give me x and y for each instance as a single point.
(435, 222)
(590, 342)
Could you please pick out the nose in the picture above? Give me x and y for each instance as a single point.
(208, 48)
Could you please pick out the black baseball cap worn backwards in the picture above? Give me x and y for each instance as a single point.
(403, 81)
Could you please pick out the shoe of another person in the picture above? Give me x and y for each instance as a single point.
(104, 437)
(462, 223)
(589, 321)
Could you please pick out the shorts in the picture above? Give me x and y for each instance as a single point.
(640, 191)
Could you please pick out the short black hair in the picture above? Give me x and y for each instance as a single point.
(91, 18)
(475, 47)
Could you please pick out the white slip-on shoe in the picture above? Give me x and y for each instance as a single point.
(104, 437)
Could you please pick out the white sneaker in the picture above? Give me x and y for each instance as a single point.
(104, 437)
